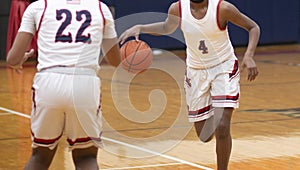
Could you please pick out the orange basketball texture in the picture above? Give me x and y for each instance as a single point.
(136, 56)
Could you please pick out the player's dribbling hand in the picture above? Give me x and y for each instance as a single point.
(249, 63)
(19, 67)
(131, 32)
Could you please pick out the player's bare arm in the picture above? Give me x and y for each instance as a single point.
(110, 49)
(229, 13)
(17, 54)
(159, 28)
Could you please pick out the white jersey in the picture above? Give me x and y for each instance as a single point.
(207, 43)
(70, 32)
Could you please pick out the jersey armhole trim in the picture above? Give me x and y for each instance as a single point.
(180, 13)
(104, 20)
(218, 22)
(42, 17)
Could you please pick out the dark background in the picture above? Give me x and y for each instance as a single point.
(279, 21)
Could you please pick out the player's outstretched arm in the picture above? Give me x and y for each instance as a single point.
(111, 51)
(17, 55)
(229, 13)
(158, 28)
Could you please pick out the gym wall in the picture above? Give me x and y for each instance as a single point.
(279, 21)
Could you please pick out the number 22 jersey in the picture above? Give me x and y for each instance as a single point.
(70, 32)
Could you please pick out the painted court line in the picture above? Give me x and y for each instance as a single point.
(145, 166)
(156, 153)
(127, 145)
(14, 112)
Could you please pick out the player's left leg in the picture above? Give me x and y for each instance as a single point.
(85, 158)
(223, 137)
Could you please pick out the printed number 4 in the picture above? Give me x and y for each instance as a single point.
(202, 47)
(60, 37)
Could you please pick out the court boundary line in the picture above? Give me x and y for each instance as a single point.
(14, 112)
(156, 153)
(126, 144)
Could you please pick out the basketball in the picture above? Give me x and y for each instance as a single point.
(136, 56)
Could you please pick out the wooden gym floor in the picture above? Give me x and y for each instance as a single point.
(265, 129)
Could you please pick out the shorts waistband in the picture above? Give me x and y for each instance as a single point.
(212, 66)
(70, 70)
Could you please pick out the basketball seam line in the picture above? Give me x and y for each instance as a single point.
(134, 55)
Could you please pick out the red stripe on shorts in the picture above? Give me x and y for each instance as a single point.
(33, 100)
(235, 69)
(45, 141)
(226, 97)
(82, 140)
(78, 140)
(200, 111)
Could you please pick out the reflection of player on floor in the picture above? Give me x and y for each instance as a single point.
(66, 89)
(212, 77)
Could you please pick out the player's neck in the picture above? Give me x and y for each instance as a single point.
(200, 5)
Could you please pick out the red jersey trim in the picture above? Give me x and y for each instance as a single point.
(42, 17)
(180, 13)
(218, 11)
(101, 11)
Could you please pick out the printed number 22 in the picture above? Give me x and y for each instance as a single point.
(60, 37)
(202, 47)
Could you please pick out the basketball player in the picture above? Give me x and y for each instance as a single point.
(66, 89)
(212, 76)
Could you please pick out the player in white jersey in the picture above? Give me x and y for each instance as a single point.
(212, 77)
(66, 88)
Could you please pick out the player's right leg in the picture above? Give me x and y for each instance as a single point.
(83, 121)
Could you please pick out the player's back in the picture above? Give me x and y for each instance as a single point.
(69, 32)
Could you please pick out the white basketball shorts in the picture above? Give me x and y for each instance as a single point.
(213, 87)
(66, 101)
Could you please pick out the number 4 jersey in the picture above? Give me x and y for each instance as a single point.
(70, 32)
(207, 43)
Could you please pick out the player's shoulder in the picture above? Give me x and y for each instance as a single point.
(38, 3)
(35, 7)
(104, 6)
(175, 5)
(174, 8)
(226, 6)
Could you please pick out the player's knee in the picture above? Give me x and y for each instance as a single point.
(206, 139)
(205, 133)
(204, 136)
(223, 131)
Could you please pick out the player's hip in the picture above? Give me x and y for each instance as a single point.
(52, 88)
